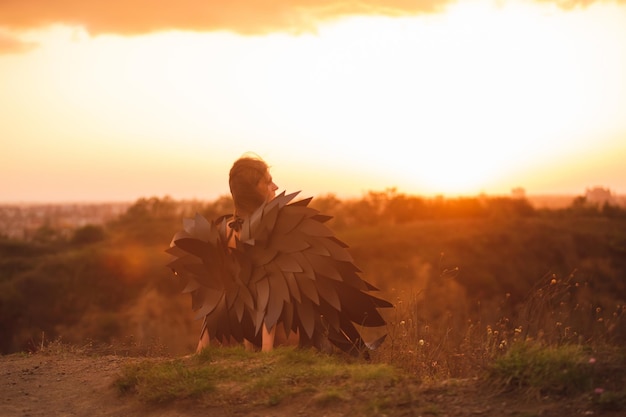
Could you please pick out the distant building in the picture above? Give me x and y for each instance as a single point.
(599, 196)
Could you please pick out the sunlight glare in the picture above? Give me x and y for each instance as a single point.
(453, 103)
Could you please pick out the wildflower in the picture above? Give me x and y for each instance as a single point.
(402, 323)
(599, 390)
(421, 342)
(592, 360)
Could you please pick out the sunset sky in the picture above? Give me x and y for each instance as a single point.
(107, 100)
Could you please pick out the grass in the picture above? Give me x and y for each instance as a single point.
(540, 349)
(161, 382)
(544, 369)
(227, 376)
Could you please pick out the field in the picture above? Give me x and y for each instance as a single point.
(494, 300)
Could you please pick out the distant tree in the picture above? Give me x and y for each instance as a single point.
(402, 208)
(582, 207)
(149, 220)
(463, 207)
(612, 211)
(221, 206)
(509, 207)
(47, 234)
(88, 234)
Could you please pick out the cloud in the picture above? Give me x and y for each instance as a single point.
(13, 45)
(573, 4)
(248, 17)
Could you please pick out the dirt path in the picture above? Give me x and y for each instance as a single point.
(69, 384)
(60, 385)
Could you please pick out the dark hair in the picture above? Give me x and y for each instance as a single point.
(243, 180)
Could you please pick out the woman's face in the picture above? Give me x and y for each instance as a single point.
(267, 187)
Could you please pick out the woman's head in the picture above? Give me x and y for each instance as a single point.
(250, 184)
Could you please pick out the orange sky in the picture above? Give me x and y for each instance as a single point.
(110, 100)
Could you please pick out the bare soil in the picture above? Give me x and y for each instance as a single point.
(76, 384)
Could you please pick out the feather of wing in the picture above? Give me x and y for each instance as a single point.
(278, 282)
(287, 263)
(268, 222)
(316, 246)
(348, 272)
(322, 218)
(287, 222)
(375, 344)
(287, 318)
(273, 312)
(314, 228)
(210, 301)
(194, 246)
(204, 276)
(330, 316)
(176, 251)
(359, 307)
(294, 290)
(180, 264)
(323, 265)
(192, 285)
(303, 261)
(189, 225)
(337, 251)
(262, 294)
(303, 202)
(291, 242)
(308, 288)
(261, 255)
(328, 292)
(306, 317)
(202, 228)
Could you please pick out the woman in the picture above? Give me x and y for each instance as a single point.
(251, 185)
(273, 265)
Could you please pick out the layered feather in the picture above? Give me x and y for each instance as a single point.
(286, 268)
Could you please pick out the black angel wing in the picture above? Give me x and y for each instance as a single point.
(287, 268)
(302, 276)
(201, 258)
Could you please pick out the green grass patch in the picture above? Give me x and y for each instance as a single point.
(543, 369)
(609, 400)
(165, 381)
(235, 376)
